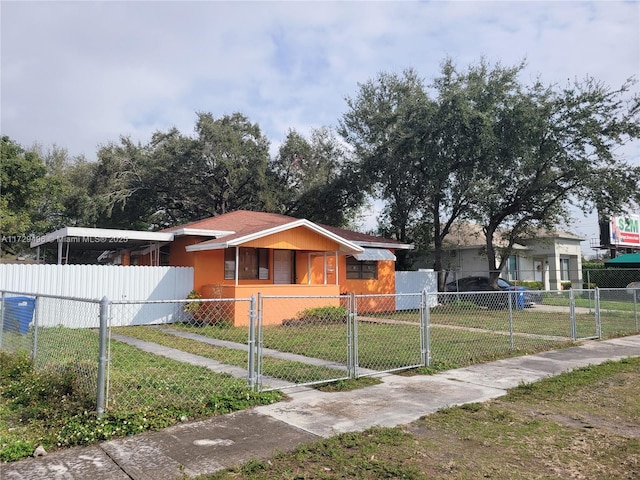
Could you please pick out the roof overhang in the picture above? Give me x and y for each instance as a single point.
(345, 246)
(397, 246)
(375, 254)
(101, 238)
(201, 232)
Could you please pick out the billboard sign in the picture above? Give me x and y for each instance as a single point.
(625, 231)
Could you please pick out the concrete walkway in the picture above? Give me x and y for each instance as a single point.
(211, 445)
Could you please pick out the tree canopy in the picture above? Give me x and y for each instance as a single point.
(479, 145)
(30, 200)
(312, 179)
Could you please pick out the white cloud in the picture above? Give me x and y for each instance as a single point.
(80, 74)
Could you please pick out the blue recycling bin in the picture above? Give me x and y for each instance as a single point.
(520, 300)
(18, 313)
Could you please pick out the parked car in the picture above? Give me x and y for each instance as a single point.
(524, 298)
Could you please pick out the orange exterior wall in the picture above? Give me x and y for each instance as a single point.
(384, 284)
(178, 255)
(209, 277)
(291, 301)
(299, 238)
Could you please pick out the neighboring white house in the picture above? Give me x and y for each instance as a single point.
(550, 257)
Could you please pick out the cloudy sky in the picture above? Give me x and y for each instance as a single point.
(80, 74)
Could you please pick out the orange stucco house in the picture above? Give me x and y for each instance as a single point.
(243, 253)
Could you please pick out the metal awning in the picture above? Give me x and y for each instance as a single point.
(375, 254)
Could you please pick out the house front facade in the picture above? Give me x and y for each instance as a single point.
(241, 254)
(552, 258)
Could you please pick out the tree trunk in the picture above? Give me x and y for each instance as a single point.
(494, 271)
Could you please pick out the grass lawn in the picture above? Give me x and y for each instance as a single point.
(54, 405)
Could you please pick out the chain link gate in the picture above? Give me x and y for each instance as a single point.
(389, 333)
(302, 340)
(332, 338)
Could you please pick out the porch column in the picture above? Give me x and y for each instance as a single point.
(324, 267)
(237, 269)
(575, 272)
(60, 251)
(554, 272)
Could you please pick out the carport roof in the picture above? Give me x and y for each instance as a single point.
(101, 238)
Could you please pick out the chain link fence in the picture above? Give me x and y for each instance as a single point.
(610, 277)
(49, 330)
(389, 335)
(197, 356)
(137, 356)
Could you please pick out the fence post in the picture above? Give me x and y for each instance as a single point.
(572, 315)
(512, 298)
(636, 296)
(353, 351)
(589, 287)
(425, 319)
(259, 333)
(349, 319)
(598, 324)
(252, 343)
(34, 350)
(2, 309)
(102, 356)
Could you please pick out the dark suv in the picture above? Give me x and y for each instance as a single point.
(523, 297)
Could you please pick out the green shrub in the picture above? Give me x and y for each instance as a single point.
(192, 307)
(16, 450)
(46, 395)
(320, 315)
(530, 284)
(14, 366)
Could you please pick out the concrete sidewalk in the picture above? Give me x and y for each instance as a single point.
(210, 445)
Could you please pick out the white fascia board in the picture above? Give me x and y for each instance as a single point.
(202, 232)
(348, 246)
(375, 254)
(106, 233)
(398, 246)
(198, 247)
(49, 237)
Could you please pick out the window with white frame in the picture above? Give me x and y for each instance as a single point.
(512, 268)
(565, 270)
(253, 263)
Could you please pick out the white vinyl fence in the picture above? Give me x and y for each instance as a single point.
(117, 283)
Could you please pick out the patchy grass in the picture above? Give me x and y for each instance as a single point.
(581, 424)
(385, 346)
(56, 409)
(287, 370)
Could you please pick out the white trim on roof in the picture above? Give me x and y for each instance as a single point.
(375, 254)
(399, 246)
(346, 245)
(203, 232)
(100, 233)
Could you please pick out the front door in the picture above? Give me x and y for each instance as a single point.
(282, 266)
(538, 270)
